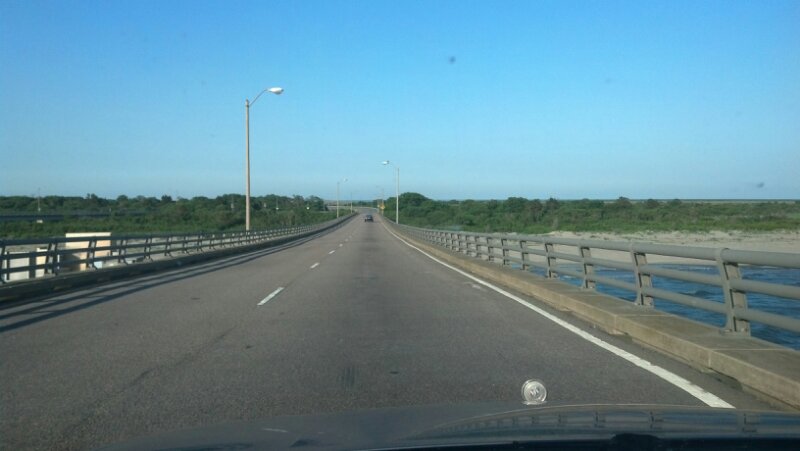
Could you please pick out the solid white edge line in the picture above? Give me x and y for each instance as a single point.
(271, 295)
(329, 253)
(709, 398)
(314, 265)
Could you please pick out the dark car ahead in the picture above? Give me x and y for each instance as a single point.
(368, 218)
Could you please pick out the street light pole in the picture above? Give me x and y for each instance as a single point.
(247, 165)
(247, 103)
(397, 191)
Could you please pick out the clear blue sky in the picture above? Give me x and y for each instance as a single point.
(485, 99)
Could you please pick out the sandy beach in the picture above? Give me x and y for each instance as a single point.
(777, 241)
(781, 241)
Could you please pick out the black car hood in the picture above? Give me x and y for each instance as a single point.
(483, 423)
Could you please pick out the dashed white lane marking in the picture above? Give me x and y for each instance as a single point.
(314, 265)
(271, 295)
(340, 244)
(685, 385)
(329, 253)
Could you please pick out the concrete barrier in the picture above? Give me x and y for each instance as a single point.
(767, 370)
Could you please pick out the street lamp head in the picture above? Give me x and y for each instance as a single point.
(276, 90)
(385, 162)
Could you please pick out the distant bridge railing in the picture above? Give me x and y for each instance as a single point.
(25, 259)
(581, 259)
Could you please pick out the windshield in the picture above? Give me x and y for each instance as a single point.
(214, 212)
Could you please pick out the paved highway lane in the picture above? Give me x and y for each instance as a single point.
(353, 319)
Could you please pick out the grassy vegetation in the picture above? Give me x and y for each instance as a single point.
(149, 214)
(622, 215)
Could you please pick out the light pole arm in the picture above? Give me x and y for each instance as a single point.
(276, 91)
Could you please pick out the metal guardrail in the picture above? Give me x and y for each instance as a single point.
(550, 254)
(37, 258)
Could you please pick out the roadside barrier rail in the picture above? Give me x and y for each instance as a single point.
(36, 258)
(574, 258)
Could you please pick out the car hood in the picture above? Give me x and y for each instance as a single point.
(484, 423)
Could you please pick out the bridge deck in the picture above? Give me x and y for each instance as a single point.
(362, 321)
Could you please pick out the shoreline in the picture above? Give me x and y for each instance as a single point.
(785, 241)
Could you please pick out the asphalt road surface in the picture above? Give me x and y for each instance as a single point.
(354, 319)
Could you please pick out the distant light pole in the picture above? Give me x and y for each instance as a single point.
(397, 190)
(337, 195)
(247, 103)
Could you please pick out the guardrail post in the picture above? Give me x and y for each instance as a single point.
(588, 268)
(4, 263)
(523, 246)
(148, 244)
(733, 298)
(90, 252)
(168, 247)
(551, 261)
(51, 259)
(32, 266)
(504, 251)
(641, 280)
